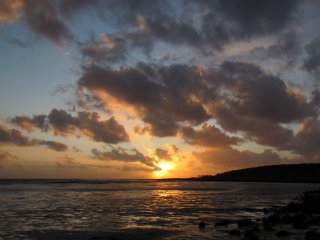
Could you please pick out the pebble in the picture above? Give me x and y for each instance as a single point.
(202, 224)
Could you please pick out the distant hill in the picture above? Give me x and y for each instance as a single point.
(308, 173)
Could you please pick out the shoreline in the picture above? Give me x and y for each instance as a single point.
(299, 220)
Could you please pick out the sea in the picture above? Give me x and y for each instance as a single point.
(133, 209)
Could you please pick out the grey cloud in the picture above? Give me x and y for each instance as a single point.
(205, 26)
(157, 93)
(162, 153)
(13, 136)
(168, 98)
(254, 17)
(258, 103)
(287, 48)
(16, 137)
(41, 17)
(312, 62)
(87, 123)
(56, 146)
(121, 154)
(108, 131)
(264, 96)
(37, 121)
(306, 141)
(69, 8)
(202, 25)
(108, 49)
(208, 136)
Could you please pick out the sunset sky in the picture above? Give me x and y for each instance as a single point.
(154, 89)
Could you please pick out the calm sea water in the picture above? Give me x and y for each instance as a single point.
(81, 209)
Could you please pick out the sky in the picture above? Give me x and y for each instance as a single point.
(104, 89)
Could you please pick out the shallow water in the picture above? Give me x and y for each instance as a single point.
(34, 209)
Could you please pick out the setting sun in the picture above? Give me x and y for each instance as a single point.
(165, 166)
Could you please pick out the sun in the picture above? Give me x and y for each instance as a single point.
(164, 168)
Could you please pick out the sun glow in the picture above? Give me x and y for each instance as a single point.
(165, 167)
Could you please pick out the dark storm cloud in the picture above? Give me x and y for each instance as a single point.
(257, 104)
(42, 17)
(312, 62)
(68, 8)
(205, 26)
(163, 96)
(86, 123)
(16, 137)
(107, 49)
(162, 153)
(259, 95)
(37, 121)
(241, 96)
(218, 22)
(306, 142)
(124, 155)
(202, 25)
(262, 131)
(256, 17)
(57, 146)
(208, 136)
(108, 131)
(287, 47)
(230, 159)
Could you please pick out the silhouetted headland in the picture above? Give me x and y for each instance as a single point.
(297, 173)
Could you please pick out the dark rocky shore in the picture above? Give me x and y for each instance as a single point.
(299, 220)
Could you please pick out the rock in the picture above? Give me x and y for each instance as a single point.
(224, 223)
(282, 233)
(267, 225)
(256, 229)
(202, 224)
(299, 225)
(250, 235)
(235, 232)
(244, 222)
(312, 235)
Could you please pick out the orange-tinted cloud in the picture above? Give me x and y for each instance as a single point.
(222, 160)
(10, 10)
(6, 156)
(208, 136)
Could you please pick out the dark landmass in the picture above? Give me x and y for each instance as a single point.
(296, 173)
(290, 173)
